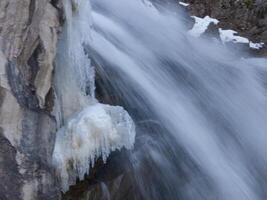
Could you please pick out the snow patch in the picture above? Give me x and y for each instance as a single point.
(201, 25)
(230, 36)
(256, 45)
(94, 132)
(183, 4)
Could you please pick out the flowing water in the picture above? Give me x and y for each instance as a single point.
(203, 109)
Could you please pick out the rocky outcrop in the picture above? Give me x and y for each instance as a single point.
(28, 37)
(111, 181)
(247, 17)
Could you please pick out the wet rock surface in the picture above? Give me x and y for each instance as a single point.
(9, 174)
(105, 181)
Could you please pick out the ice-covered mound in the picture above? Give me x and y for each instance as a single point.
(95, 131)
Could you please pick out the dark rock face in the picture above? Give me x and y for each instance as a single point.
(25, 94)
(27, 139)
(9, 174)
(247, 17)
(36, 146)
(112, 180)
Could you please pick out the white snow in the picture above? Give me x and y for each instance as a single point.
(94, 132)
(230, 36)
(201, 25)
(256, 45)
(183, 4)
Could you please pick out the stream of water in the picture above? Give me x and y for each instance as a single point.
(207, 108)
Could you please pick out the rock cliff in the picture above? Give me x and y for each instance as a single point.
(247, 17)
(28, 37)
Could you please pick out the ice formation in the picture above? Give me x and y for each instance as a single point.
(94, 132)
(230, 36)
(183, 4)
(89, 130)
(256, 45)
(74, 75)
(201, 25)
(78, 25)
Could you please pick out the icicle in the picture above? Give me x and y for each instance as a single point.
(92, 133)
(90, 130)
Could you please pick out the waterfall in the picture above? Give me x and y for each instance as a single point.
(88, 130)
(210, 104)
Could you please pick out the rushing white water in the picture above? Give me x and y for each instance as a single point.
(212, 105)
(89, 130)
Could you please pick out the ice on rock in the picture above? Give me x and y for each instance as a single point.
(256, 45)
(231, 36)
(183, 4)
(96, 129)
(201, 25)
(74, 74)
(94, 132)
